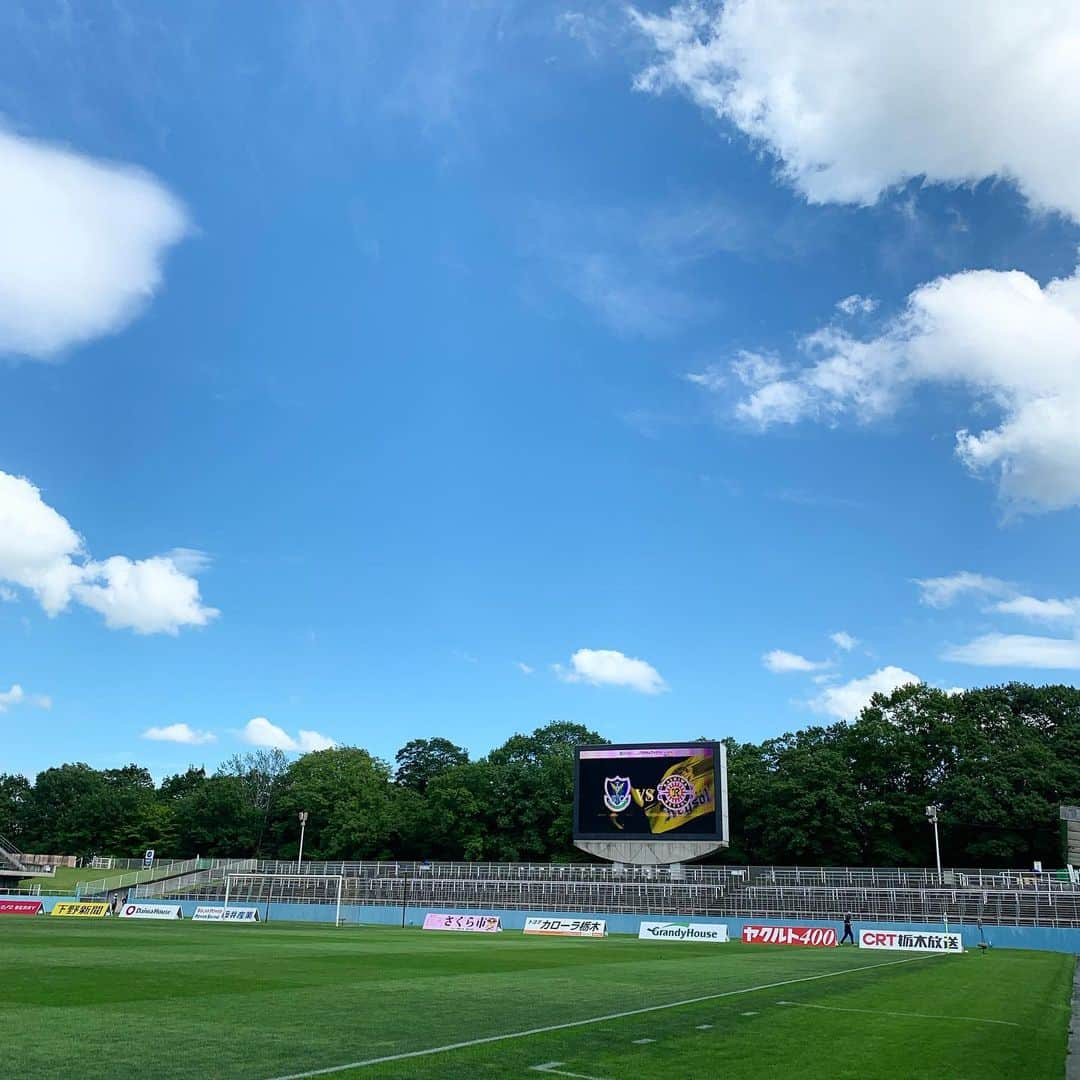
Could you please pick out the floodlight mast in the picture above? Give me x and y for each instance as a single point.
(303, 815)
(932, 814)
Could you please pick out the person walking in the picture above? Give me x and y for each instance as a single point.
(848, 934)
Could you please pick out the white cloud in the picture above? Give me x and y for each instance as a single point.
(307, 741)
(1011, 345)
(856, 305)
(780, 662)
(853, 98)
(944, 104)
(843, 640)
(848, 700)
(189, 560)
(755, 369)
(710, 379)
(1030, 607)
(40, 551)
(608, 667)
(37, 545)
(8, 595)
(260, 732)
(83, 245)
(941, 592)
(524, 668)
(1017, 650)
(592, 32)
(14, 696)
(18, 696)
(628, 302)
(149, 596)
(782, 402)
(179, 733)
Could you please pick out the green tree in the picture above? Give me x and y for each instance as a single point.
(217, 819)
(348, 796)
(14, 791)
(419, 761)
(261, 776)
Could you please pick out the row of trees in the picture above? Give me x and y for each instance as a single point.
(999, 761)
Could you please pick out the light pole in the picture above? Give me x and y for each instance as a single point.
(932, 814)
(303, 825)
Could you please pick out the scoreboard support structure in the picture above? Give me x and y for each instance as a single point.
(649, 852)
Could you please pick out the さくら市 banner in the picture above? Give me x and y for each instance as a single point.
(475, 924)
(642, 792)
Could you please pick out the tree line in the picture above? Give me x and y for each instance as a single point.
(998, 761)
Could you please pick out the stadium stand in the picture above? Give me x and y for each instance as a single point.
(1003, 897)
(12, 865)
(167, 874)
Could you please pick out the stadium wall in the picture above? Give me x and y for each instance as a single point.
(1043, 938)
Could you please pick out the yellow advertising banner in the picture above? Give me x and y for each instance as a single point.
(86, 910)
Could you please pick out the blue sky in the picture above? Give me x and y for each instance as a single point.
(450, 371)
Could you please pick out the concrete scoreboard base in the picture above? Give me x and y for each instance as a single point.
(649, 852)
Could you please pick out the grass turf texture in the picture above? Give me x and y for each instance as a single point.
(66, 878)
(205, 1000)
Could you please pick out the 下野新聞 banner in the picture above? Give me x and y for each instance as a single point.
(85, 909)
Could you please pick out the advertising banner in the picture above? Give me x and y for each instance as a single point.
(474, 924)
(816, 936)
(638, 792)
(567, 927)
(222, 914)
(669, 931)
(86, 909)
(151, 911)
(21, 907)
(906, 941)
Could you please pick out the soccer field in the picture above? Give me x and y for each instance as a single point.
(112, 998)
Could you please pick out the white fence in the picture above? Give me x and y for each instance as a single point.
(997, 897)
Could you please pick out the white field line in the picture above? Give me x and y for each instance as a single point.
(592, 1020)
(549, 1067)
(913, 1016)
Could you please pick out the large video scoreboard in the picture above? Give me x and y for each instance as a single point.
(651, 791)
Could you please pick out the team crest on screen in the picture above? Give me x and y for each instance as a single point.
(616, 793)
(675, 793)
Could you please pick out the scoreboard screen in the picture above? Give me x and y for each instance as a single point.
(651, 791)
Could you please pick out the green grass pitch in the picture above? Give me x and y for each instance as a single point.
(118, 998)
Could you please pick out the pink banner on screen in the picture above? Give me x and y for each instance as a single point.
(650, 752)
(473, 924)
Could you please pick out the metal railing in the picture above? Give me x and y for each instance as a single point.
(10, 856)
(864, 877)
(1019, 907)
(211, 877)
(124, 881)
